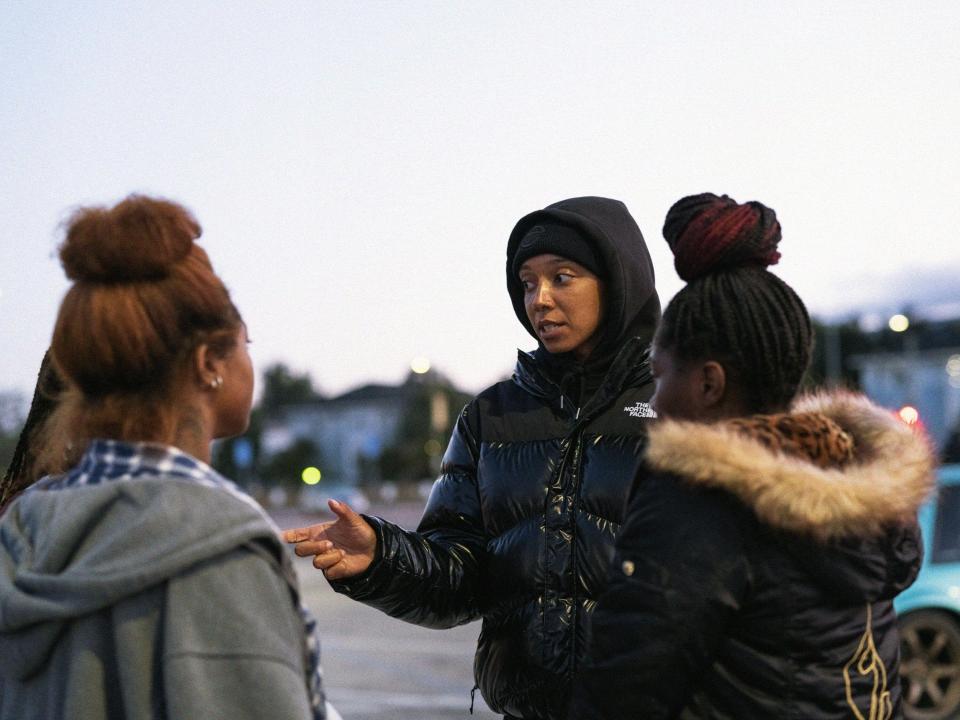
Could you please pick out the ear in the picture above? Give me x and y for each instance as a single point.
(207, 367)
(713, 384)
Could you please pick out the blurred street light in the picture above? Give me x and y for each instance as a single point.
(953, 370)
(420, 365)
(909, 414)
(953, 366)
(899, 323)
(310, 475)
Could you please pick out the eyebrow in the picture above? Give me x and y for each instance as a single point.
(557, 260)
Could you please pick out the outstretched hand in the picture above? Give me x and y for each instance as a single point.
(341, 548)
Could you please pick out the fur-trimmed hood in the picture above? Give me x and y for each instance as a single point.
(890, 476)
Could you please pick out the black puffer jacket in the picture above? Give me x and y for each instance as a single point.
(750, 584)
(520, 527)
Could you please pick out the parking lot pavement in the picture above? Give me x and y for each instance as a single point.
(379, 668)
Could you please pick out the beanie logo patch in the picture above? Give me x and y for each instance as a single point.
(640, 410)
(532, 236)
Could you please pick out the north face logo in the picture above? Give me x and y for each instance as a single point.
(640, 410)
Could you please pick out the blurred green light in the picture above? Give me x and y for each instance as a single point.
(310, 475)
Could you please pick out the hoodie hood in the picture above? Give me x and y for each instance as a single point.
(632, 307)
(851, 523)
(76, 550)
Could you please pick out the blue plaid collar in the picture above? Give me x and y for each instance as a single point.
(116, 460)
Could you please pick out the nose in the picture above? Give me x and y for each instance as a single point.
(541, 298)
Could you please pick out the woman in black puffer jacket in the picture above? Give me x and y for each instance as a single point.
(764, 543)
(520, 526)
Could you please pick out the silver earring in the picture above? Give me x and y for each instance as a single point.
(216, 382)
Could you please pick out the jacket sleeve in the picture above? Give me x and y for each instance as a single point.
(233, 642)
(679, 574)
(432, 577)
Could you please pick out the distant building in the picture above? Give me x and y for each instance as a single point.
(926, 379)
(352, 430)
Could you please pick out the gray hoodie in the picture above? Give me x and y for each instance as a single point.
(143, 587)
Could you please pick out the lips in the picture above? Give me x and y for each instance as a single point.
(547, 329)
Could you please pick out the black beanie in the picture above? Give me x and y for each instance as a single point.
(561, 240)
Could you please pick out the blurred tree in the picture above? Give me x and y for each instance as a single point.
(286, 467)
(833, 345)
(238, 458)
(282, 386)
(431, 409)
(836, 343)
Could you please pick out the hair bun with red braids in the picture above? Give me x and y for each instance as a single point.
(138, 239)
(707, 233)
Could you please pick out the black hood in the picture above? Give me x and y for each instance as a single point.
(631, 303)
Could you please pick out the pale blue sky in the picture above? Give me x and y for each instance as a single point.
(357, 167)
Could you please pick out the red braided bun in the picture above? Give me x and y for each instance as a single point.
(708, 233)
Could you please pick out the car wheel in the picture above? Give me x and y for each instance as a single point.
(930, 665)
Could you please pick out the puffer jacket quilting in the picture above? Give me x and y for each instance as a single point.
(520, 529)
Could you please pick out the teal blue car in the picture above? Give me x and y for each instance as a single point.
(929, 611)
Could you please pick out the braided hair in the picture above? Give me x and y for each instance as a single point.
(732, 309)
(25, 465)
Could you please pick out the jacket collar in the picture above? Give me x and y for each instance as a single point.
(891, 475)
(629, 368)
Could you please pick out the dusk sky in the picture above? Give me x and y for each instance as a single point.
(357, 167)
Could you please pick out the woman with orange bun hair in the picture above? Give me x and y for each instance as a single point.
(139, 583)
(767, 535)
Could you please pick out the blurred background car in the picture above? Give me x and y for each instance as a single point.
(929, 611)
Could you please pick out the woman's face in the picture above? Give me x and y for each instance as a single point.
(564, 303)
(676, 384)
(235, 397)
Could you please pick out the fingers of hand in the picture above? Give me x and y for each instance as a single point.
(351, 520)
(312, 547)
(294, 535)
(310, 532)
(341, 509)
(326, 560)
(337, 571)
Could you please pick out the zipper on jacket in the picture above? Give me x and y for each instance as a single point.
(571, 458)
(576, 415)
(575, 609)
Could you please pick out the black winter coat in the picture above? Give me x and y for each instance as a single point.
(520, 527)
(520, 530)
(750, 585)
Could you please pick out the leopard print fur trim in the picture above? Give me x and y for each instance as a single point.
(789, 486)
(812, 436)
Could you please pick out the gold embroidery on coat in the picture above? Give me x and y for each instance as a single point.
(868, 664)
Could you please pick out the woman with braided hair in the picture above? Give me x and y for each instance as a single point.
(24, 466)
(767, 536)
